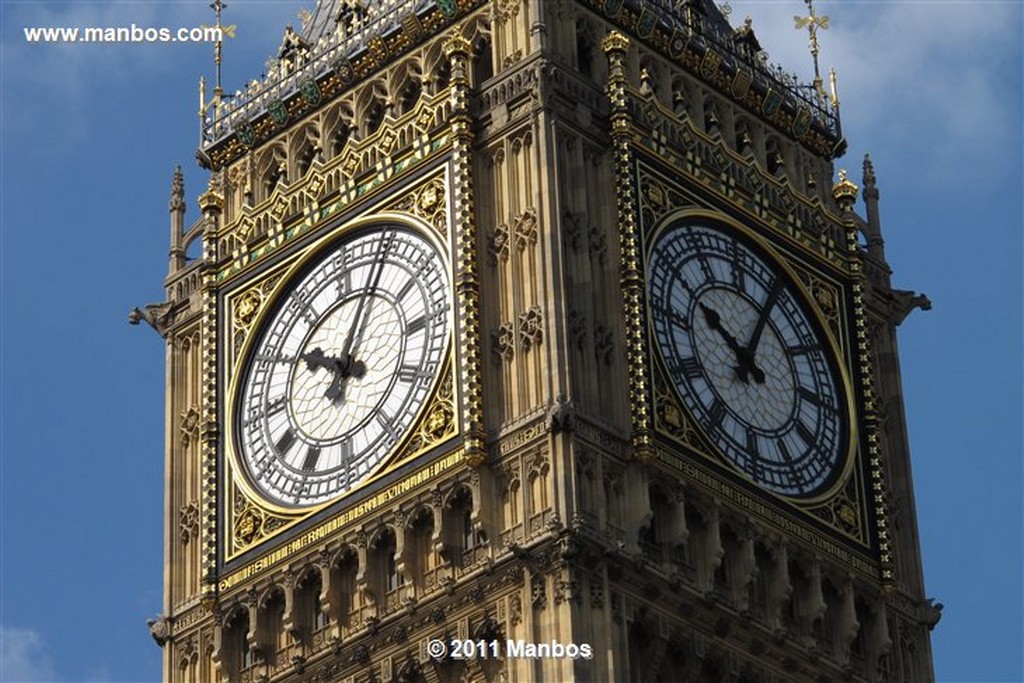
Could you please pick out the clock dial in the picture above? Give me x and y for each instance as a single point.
(747, 358)
(342, 365)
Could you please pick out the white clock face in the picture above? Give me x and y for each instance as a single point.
(747, 359)
(342, 366)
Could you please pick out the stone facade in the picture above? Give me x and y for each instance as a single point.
(554, 490)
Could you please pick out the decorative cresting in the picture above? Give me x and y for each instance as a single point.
(467, 279)
(845, 194)
(615, 45)
(211, 204)
(311, 75)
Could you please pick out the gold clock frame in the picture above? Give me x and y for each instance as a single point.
(255, 505)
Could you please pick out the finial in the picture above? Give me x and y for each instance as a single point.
(726, 9)
(844, 191)
(218, 6)
(211, 200)
(177, 202)
(645, 81)
(833, 88)
(869, 172)
(813, 22)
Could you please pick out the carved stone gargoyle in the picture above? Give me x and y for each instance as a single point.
(157, 316)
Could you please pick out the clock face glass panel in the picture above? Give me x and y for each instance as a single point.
(747, 358)
(342, 365)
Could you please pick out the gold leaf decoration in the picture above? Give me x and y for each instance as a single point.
(438, 423)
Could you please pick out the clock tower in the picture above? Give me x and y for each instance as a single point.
(533, 340)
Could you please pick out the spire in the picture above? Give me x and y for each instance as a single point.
(177, 202)
(873, 230)
(177, 209)
(870, 190)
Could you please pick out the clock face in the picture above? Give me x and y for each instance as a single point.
(747, 358)
(342, 365)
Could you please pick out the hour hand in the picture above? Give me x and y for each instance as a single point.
(744, 357)
(342, 367)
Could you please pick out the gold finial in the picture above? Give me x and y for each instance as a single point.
(615, 41)
(456, 43)
(844, 191)
(812, 23)
(211, 200)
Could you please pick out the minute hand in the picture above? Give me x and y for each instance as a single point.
(766, 309)
(359, 320)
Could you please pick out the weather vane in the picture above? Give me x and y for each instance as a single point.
(813, 22)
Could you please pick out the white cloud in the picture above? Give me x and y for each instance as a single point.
(24, 656)
(938, 81)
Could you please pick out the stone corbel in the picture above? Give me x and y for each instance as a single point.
(745, 569)
(676, 530)
(288, 622)
(847, 625)
(780, 588)
(328, 606)
(879, 643)
(712, 552)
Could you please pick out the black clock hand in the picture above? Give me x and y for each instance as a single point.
(342, 367)
(744, 359)
(747, 362)
(336, 390)
(369, 295)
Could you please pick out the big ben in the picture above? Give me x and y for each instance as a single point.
(533, 340)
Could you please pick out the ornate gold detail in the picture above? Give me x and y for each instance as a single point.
(672, 418)
(211, 200)
(506, 9)
(252, 523)
(438, 423)
(429, 198)
(844, 191)
(245, 229)
(429, 202)
(615, 41)
(247, 307)
(826, 298)
(456, 44)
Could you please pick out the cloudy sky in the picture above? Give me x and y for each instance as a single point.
(91, 133)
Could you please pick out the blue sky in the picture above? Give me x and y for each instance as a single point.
(91, 133)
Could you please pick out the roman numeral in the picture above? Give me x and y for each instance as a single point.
(716, 415)
(736, 267)
(405, 288)
(410, 373)
(276, 406)
(752, 449)
(814, 399)
(676, 319)
(416, 325)
(802, 349)
(312, 455)
(691, 368)
(384, 420)
(285, 442)
(805, 433)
